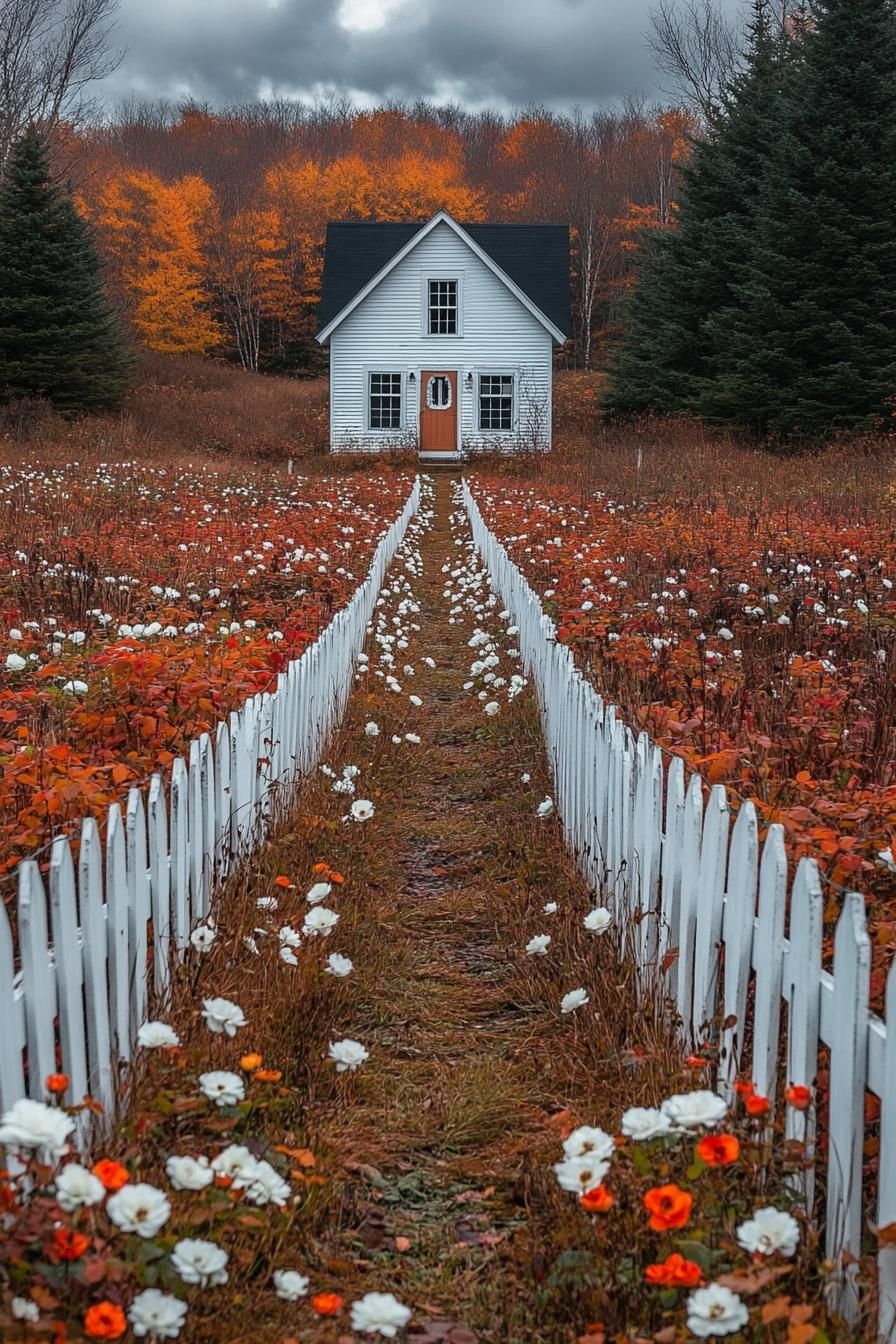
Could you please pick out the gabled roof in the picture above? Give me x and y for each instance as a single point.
(531, 259)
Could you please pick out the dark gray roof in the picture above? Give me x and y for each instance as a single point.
(534, 256)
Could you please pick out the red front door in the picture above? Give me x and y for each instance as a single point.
(438, 411)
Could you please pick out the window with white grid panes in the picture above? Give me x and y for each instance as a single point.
(496, 401)
(443, 307)
(385, 400)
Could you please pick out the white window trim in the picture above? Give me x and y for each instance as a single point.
(368, 369)
(491, 372)
(458, 278)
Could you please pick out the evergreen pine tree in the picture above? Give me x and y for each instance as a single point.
(59, 337)
(809, 347)
(687, 273)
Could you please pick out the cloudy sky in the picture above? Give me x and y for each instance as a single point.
(503, 52)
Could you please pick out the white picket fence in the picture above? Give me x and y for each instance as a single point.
(120, 913)
(679, 876)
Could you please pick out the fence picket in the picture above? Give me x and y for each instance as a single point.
(768, 961)
(69, 970)
(886, 1200)
(737, 933)
(38, 985)
(12, 1037)
(95, 962)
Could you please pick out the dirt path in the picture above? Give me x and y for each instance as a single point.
(449, 1131)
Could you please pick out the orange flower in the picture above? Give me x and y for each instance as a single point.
(327, 1304)
(718, 1150)
(756, 1104)
(105, 1321)
(112, 1174)
(321, 868)
(250, 1062)
(268, 1075)
(696, 1062)
(668, 1206)
(598, 1200)
(69, 1245)
(674, 1272)
(282, 882)
(744, 1089)
(799, 1097)
(335, 877)
(57, 1082)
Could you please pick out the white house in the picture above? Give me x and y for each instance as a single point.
(442, 334)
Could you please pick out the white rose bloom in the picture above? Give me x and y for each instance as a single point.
(694, 1110)
(76, 1188)
(579, 1174)
(202, 937)
(222, 1016)
(576, 998)
(189, 1173)
(221, 1087)
(362, 809)
(289, 937)
(33, 1125)
(158, 1314)
(768, 1231)
(198, 1261)
(338, 965)
(645, 1122)
(599, 920)
(491, 709)
(154, 1035)
(290, 1284)
(23, 1309)
(319, 892)
(320, 920)
(15, 662)
(715, 1311)
(347, 1055)
(268, 1186)
(372, 729)
(139, 1208)
(589, 1140)
(538, 946)
(380, 1314)
(545, 808)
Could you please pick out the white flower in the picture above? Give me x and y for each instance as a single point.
(645, 1122)
(319, 892)
(362, 809)
(289, 937)
(396, 740)
(222, 1016)
(198, 1261)
(551, 908)
(189, 1173)
(715, 1311)
(589, 1140)
(694, 1110)
(153, 1035)
(380, 1314)
(31, 1124)
(769, 1230)
(76, 1187)
(23, 1309)
(236, 1162)
(139, 1208)
(538, 946)
(545, 808)
(491, 709)
(347, 1055)
(576, 998)
(320, 920)
(221, 1087)
(75, 687)
(415, 700)
(15, 662)
(524, 779)
(290, 1284)
(158, 1314)
(598, 920)
(338, 965)
(268, 1186)
(372, 729)
(578, 1174)
(288, 956)
(412, 737)
(202, 937)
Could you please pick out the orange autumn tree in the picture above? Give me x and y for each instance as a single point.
(156, 234)
(250, 271)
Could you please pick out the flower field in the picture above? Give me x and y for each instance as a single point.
(140, 604)
(756, 644)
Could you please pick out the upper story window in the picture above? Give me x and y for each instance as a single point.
(443, 304)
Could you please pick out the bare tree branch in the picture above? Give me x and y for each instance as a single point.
(699, 47)
(51, 51)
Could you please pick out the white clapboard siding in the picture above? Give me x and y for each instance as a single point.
(664, 852)
(93, 956)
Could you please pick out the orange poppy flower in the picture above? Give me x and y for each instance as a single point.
(111, 1173)
(57, 1082)
(327, 1304)
(105, 1320)
(799, 1097)
(321, 868)
(598, 1200)
(718, 1150)
(69, 1245)
(268, 1075)
(669, 1207)
(674, 1272)
(282, 882)
(756, 1104)
(250, 1062)
(744, 1089)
